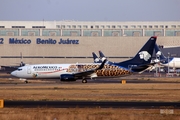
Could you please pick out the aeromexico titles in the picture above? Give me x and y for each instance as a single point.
(84, 71)
(40, 41)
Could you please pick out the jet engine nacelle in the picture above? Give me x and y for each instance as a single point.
(67, 77)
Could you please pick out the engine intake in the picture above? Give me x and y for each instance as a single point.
(67, 77)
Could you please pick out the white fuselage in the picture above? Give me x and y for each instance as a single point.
(174, 63)
(55, 70)
(41, 71)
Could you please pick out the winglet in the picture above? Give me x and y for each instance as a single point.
(102, 65)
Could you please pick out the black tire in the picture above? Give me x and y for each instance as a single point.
(84, 81)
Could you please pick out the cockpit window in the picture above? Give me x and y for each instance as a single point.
(19, 69)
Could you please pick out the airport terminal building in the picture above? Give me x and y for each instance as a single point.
(74, 41)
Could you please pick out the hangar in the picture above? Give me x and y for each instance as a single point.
(74, 41)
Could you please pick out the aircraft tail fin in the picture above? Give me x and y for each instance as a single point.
(144, 56)
(101, 55)
(96, 58)
(159, 53)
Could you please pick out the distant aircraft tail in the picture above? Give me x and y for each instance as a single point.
(96, 58)
(101, 55)
(159, 53)
(143, 58)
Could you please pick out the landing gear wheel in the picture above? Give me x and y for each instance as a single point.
(26, 82)
(84, 81)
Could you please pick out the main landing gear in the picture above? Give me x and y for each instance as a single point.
(84, 80)
(26, 81)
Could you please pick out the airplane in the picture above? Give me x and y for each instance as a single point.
(172, 62)
(64, 72)
(73, 72)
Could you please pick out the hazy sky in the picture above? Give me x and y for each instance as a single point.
(90, 10)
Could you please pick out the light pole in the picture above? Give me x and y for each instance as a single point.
(168, 62)
(156, 65)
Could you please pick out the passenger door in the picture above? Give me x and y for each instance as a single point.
(29, 70)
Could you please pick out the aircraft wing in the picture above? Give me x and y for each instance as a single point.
(81, 75)
(89, 72)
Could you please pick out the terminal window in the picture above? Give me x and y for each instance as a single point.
(178, 33)
(144, 26)
(107, 26)
(125, 26)
(52, 33)
(85, 26)
(63, 26)
(58, 26)
(102, 26)
(133, 26)
(113, 26)
(173, 26)
(150, 26)
(118, 26)
(68, 26)
(139, 26)
(10, 33)
(156, 26)
(79, 26)
(96, 26)
(136, 33)
(74, 33)
(161, 26)
(31, 33)
(115, 33)
(74, 26)
(157, 33)
(94, 33)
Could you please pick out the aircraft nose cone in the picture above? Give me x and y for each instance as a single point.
(14, 73)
